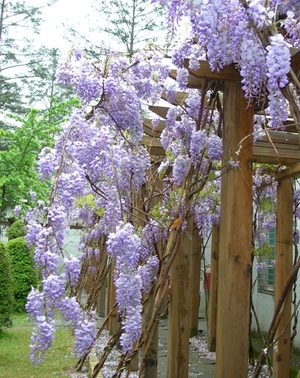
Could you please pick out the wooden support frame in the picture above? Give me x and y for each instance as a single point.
(279, 148)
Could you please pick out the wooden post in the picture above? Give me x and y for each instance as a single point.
(150, 370)
(284, 253)
(102, 280)
(213, 295)
(101, 301)
(235, 237)
(180, 308)
(111, 300)
(196, 271)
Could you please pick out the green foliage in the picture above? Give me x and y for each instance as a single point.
(16, 230)
(88, 202)
(18, 158)
(266, 250)
(6, 293)
(23, 273)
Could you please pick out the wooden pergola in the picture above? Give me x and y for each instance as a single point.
(229, 313)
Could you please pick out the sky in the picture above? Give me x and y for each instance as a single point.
(68, 12)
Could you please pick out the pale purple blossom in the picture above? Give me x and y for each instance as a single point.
(148, 272)
(197, 145)
(85, 333)
(180, 168)
(17, 211)
(261, 266)
(182, 78)
(124, 246)
(128, 294)
(72, 269)
(214, 147)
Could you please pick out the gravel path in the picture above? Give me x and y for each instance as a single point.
(198, 352)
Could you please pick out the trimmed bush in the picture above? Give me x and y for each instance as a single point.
(23, 273)
(6, 292)
(16, 230)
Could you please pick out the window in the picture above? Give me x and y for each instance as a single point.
(266, 277)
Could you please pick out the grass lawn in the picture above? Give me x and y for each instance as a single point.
(14, 353)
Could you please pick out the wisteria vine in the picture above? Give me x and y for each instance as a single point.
(99, 165)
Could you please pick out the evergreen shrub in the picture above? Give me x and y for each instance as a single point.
(23, 273)
(16, 230)
(6, 293)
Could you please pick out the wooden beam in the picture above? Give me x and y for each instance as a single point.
(193, 81)
(153, 146)
(263, 151)
(284, 258)
(235, 238)
(283, 137)
(179, 100)
(228, 73)
(295, 61)
(291, 172)
(159, 110)
(153, 131)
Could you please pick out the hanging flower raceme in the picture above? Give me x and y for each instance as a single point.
(124, 246)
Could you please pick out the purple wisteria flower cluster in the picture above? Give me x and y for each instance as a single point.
(229, 32)
(131, 279)
(46, 229)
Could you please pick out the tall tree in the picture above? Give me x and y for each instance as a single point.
(129, 23)
(18, 54)
(41, 84)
